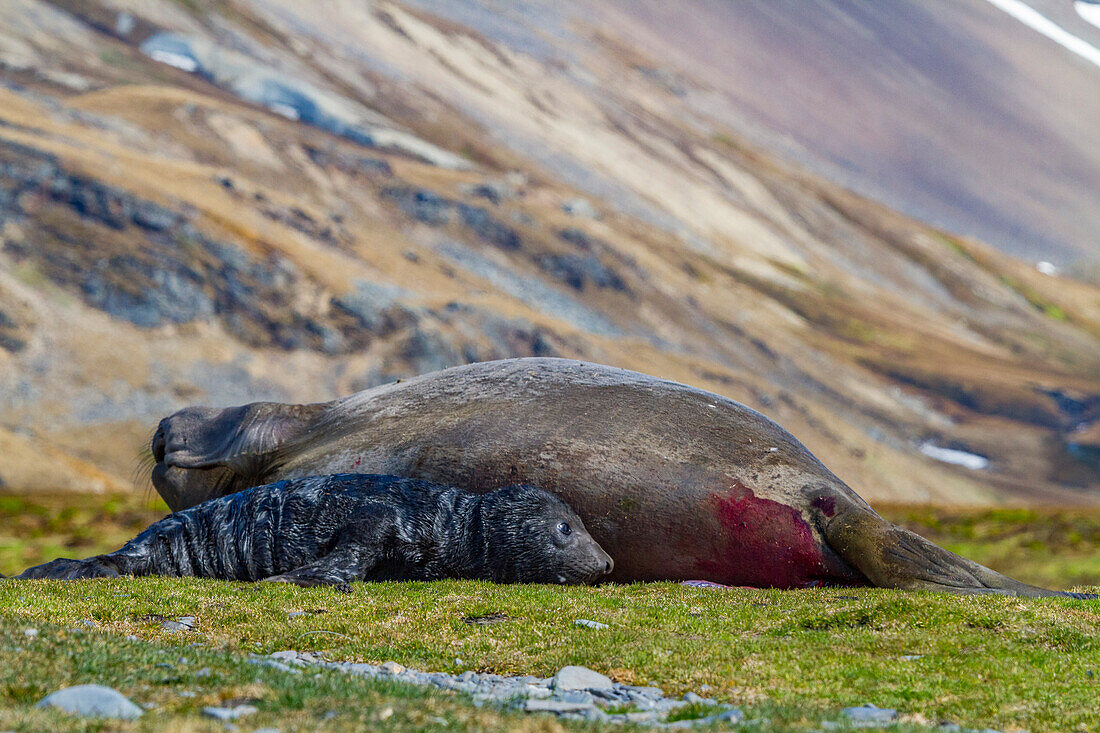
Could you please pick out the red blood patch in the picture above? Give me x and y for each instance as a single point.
(767, 544)
(826, 504)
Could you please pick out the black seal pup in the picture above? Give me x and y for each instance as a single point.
(326, 530)
(675, 482)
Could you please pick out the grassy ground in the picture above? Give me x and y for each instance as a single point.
(794, 657)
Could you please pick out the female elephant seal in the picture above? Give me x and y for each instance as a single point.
(674, 482)
(327, 530)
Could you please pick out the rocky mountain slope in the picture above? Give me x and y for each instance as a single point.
(265, 200)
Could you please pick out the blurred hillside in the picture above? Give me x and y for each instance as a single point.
(222, 202)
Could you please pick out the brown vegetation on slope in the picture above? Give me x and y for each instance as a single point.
(166, 243)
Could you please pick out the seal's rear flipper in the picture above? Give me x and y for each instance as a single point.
(893, 557)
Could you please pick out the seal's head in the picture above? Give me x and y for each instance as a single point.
(535, 537)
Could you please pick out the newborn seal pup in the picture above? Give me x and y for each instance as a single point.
(675, 482)
(327, 530)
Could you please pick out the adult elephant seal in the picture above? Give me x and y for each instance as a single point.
(673, 482)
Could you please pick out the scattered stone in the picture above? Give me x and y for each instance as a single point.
(733, 715)
(869, 713)
(555, 706)
(183, 623)
(92, 701)
(589, 624)
(275, 664)
(910, 657)
(641, 717)
(30, 633)
(581, 678)
(285, 656)
(575, 692)
(226, 714)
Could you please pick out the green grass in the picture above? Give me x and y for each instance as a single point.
(793, 657)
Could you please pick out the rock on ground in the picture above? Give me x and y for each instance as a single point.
(93, 701)
(581, 678)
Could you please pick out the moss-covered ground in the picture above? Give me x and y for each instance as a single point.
(792, 657)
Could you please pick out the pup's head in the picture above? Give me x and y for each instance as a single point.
(535, 537)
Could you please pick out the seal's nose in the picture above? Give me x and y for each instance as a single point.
(159, 444)
(604, 561)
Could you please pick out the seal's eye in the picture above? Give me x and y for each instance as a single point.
(565, 529)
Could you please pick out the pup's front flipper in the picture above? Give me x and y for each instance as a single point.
(340, 566)
(66, 569)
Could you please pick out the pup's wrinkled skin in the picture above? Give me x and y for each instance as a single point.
(674, 482)
(328, 530)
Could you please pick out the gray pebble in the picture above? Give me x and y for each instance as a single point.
(93, 701)
(589, 624)
(226, 714)
(692, 699)
(581, 678)
(274, 665)
(733, 715)
(641, 717)
(183, 623)
(576, 696)
(534, 705)
(30, 633)
(574, 693)
(870, 714)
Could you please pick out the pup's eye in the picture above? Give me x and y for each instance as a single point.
(565, 529)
